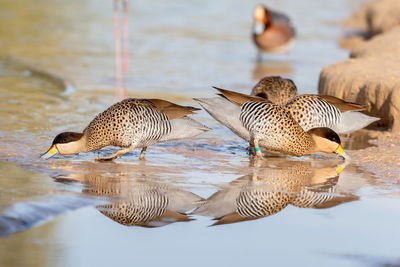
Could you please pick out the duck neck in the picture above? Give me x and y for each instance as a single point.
(267, 19)
(74, 147)
(305, 145)
(259, 28)
(267, 24)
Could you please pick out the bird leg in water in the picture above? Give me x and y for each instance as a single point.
(257, 149)
(119, 153)
(252, 150)
(143, 153)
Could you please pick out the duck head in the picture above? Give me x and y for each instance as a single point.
(262, 19)
(328, 141)
(275, 88)
(67, 143)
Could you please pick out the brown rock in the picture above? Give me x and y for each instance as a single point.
(387, 44)
(358, 19)
(373, 81)
(382, 15)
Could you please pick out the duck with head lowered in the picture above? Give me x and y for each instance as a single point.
(131, 123)
(263, 123)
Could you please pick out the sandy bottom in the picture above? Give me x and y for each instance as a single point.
(381, 159)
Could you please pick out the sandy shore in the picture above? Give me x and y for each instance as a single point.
(381, 159)
(371, 77)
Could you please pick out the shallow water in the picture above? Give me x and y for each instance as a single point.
(57, 72)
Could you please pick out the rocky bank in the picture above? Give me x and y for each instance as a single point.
(371, 76)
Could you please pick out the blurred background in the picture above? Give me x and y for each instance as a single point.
(180, 47)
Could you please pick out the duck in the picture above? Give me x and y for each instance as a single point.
(129, 124)
(272, 30)
(263, 123)
(312, 110)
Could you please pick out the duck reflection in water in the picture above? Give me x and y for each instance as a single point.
(269, 190)
(140, 202)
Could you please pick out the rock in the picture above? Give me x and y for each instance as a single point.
(372, 81)
(358, 19)
(382, 15)
(351, 41)
(372, 75)
(382, 45)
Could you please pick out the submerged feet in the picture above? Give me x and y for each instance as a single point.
(117, 154)
(143, 153)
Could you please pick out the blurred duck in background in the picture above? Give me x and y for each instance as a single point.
(272, 31)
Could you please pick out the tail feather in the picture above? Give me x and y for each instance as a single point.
(239, 98)
(341, 104)
(226, 113)
(352, 121)
(185, 127)
(172, 110)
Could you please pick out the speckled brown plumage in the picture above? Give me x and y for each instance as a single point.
(129, 122)
(310, 111)
(146, 203)
(276, 89)
(275, 128)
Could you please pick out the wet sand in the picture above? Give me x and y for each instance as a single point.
(381, 159)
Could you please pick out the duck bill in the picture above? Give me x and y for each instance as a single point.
(50, 153)
(339, 150)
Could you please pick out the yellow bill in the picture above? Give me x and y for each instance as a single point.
(340, 169)
(51, 152)
(340, 151)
